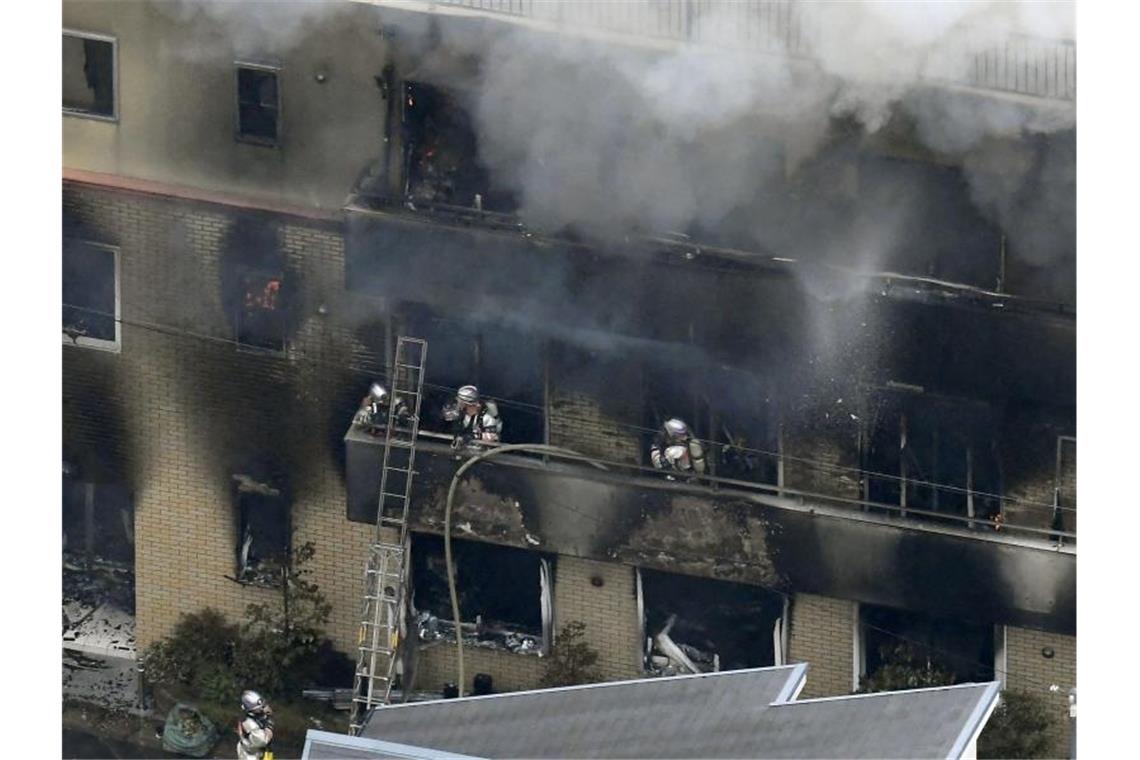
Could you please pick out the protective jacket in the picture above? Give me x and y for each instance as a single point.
(692, 459)
(484, 425)
(255, 734)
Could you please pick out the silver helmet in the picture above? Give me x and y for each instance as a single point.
(252, 702)
(676, 428)
(378, 393)
(468, 394)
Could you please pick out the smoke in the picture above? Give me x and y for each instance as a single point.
(604, 139)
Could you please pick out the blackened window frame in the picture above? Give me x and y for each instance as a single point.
(113, 117)
(241, 317)
(99, 344)
(277, 557)
(239, 134)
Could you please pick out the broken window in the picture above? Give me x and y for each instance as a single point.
(504, 594)
(89, 75)
(441, 153)
(904, 649)
(98, 522)
(261, 316)
(702, 625)
(264, 531)
(932, 454)
(90, 294)
(258, 104)
(506, 365)
(745, 426)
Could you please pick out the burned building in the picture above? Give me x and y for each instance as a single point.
(870, 333)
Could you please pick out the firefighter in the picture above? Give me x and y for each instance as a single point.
(473, 419)
(675, 449)
(255, 729)
(373, 412)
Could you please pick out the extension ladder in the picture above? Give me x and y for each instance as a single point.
(385, 575)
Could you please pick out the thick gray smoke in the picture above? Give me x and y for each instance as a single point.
(605, 138)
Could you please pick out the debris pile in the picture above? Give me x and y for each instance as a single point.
(110, 682)
(99, 608)
(478, 634)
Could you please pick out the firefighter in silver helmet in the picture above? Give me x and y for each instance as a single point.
(676, 450)
(472, 418)
(373, 412)
(255, 729)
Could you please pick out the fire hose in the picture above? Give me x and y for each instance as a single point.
(532, 448)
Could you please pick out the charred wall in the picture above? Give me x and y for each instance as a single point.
(192, 408)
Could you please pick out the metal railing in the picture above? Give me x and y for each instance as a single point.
(981, 524)
(1022, 65)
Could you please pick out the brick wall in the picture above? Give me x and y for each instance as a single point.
(819, 460)
(609, 612)
(437, 665)
(576, 422)
(821, 633)
(181, 409)
(1028, 669)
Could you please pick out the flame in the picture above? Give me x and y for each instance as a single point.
(266, 299)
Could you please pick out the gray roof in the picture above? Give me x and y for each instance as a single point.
(743, 713)
(323, 745)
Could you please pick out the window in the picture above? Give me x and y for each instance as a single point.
(263, 531)
(906, 649)
(932, 454)
(440, 153)
(505, 364)
(504, 594)
(700, 624)
(258, 104)
(261, 316)
(90, 75)
(90, 295)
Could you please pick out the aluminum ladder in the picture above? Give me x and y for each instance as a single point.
(385, 575)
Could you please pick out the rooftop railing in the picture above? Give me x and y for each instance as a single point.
(1021, 65)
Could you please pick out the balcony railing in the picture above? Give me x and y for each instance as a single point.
(1021, 65)
(1008, 515)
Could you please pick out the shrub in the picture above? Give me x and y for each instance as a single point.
(902, 669)
(572, 661)
(1020, 726)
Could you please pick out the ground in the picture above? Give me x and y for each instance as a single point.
(102, 715)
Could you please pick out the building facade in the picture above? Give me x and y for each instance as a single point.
(256, 203)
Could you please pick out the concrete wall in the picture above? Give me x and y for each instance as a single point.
(1029, 669)
(822, 633)
(177, 96)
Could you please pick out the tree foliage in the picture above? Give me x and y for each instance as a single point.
(1020, 726)
(280, 648)
(572, 661)
(904, 668)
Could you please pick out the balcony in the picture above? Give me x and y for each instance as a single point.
(783, 539)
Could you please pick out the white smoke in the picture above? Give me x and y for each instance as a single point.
(605, 138)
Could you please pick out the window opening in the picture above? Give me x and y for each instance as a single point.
(701, 625)
(504, 363)
(914, 445)
(89, 75)
(441, 150)
(906, 649)
(261, 318)
(90, 295)
(258, 104)
(504, 595)
(264, 531)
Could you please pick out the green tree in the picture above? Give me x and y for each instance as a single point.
(280, 639)
(572, 661)
(1020, 726)
(904, 668)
